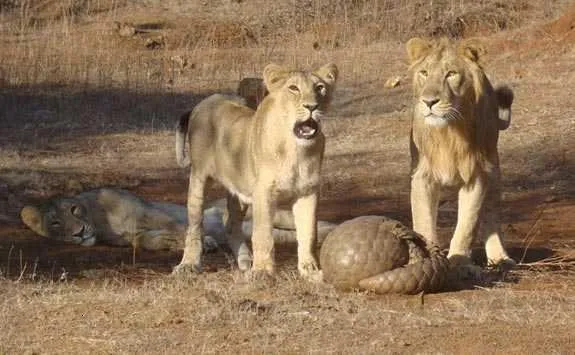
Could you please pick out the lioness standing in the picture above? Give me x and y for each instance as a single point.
(455, 128)
(262, 157)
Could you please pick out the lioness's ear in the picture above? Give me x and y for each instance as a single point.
(472, 48)
(275, 76)
(32, 217)
(328, 73)
(417, 48)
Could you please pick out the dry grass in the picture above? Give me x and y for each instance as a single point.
(222, 312)
(82, 106)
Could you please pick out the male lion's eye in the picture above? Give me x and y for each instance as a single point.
(320, 88)
(450, 74)
(293, 88)
(423, 73)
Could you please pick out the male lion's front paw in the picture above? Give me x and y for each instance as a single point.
(461, 268)
(503, 264)
(185, 269)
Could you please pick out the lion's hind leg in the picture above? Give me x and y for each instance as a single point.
(236, 239)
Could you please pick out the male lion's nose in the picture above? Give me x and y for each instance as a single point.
(311, 107)
(430, 101)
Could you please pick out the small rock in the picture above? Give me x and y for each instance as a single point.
(393, 82)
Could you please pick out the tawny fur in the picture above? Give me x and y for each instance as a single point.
(119, 218)
(455, 128)
(257, 157)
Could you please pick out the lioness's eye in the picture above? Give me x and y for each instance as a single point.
(293, 88)
(320, 89)
(55, 224)
(423, 73)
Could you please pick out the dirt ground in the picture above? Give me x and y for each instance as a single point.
(68, 124)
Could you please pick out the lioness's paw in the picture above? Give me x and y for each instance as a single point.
(309, 270)
(261, 279)
(186, 269)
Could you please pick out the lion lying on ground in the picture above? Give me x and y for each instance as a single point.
(118, 218)
(455, 127)
(273, 154)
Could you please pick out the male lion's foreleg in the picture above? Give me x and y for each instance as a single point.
(192, 258)
(490, 230)
(471, 198)
(262, 239)
(424, 205)
(236, 239)
(305, 218)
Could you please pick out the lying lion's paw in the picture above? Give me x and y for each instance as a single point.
(210, 244)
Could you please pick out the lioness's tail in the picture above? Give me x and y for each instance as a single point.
(181, 135)
(504, 96)
(427, 274)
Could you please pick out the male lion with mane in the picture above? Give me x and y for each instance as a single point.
(456, 120)
(262, 157)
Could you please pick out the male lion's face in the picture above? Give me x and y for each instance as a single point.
(442, 80)
(63, 219)
(305, 96)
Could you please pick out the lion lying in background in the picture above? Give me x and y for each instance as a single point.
(119, 218)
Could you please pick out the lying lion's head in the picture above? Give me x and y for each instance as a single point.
(447, 78)
(64, 219)
(303, 96)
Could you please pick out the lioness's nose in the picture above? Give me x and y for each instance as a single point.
(430, 101)
(311, 107)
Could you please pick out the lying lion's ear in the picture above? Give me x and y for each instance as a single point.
(328, 73)
(32, 217)
(472, 48)
(275, 76)
(417, 48)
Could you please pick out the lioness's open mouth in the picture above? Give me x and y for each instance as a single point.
(307, 129)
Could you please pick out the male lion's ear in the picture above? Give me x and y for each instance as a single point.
(32, 217)
(328, 73)
(417, 48)
(275, 76)
(472, 48)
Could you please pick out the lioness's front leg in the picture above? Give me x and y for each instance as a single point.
(424, 205)
(236, 239)
(305, 218)
(192, 258)
(262, 239)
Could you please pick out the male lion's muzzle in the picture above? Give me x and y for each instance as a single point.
(307, 129)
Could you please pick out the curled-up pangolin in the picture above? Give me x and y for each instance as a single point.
(382, 255)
